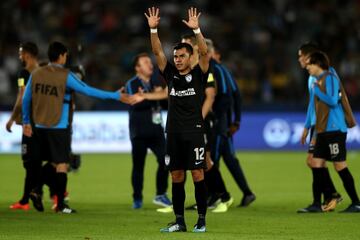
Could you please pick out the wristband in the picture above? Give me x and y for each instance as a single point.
(196, 31)
(153, 30)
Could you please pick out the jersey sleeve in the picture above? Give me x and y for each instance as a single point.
(77, 85)
(26, 103)
(168, 71)
(331, 97)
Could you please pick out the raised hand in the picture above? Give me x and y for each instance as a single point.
(193, 21)
(153, 17)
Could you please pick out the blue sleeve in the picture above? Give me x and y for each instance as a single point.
(333, 71)
(331, 96)
(128, 88)
(75, 84)
(308, 115)
(26, 102)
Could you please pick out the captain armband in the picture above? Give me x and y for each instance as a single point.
(210, 78)
(21, 82)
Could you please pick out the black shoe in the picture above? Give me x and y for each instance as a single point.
(37, 201)
(213, 201)
(65, 209)
(353, 208)
(247, 200)
(313, 208)
(173, 227)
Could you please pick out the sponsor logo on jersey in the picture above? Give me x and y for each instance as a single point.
(188, 78)
(198, 162)
(183, 93)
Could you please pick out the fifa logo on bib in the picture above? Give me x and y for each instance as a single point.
(188, 78)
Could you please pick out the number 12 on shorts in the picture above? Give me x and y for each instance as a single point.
(199, 153)
(334, 148)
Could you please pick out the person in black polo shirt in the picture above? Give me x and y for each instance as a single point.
(146, 131)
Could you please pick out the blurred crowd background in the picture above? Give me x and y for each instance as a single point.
(258, 40)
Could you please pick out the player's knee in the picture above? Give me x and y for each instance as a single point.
(62, 168)
(177, 176)
(340, 166)
(197, 175)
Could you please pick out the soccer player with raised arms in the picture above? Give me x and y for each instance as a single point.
(185, 124)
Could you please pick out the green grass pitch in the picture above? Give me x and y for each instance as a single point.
(101, 192)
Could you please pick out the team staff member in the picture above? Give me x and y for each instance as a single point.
(28, 53)
(146, 131)
(331, 197)
(185, 145)
(333, 117)
(49, 94)
(227, 109)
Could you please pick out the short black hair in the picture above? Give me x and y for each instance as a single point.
(30, 47)
(308, 48)
(190, 36)
(187, 46)
(137, 58)
(55, 50)
(320, 59)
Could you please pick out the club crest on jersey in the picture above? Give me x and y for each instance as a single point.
(188, 78)
(167, 160)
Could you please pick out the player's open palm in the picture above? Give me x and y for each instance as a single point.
(193, 21)
(153, 17)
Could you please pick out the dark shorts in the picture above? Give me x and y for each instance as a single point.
(185, 151)
(312, 140)
(331, 146)
(29, 149)
(55, 145)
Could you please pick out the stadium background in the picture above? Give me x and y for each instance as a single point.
(258, 40)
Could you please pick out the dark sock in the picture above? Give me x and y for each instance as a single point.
(329, 187)
(178, 199)
(316, 186)
(201, 196)
(215, 184)
(349, 185)
(49, 178)
(325, 183)
(27, 189)
(201, 220)
(61, 181)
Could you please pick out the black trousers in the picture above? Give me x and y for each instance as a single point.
(32, 165)
(223, 146)
(140, 145)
